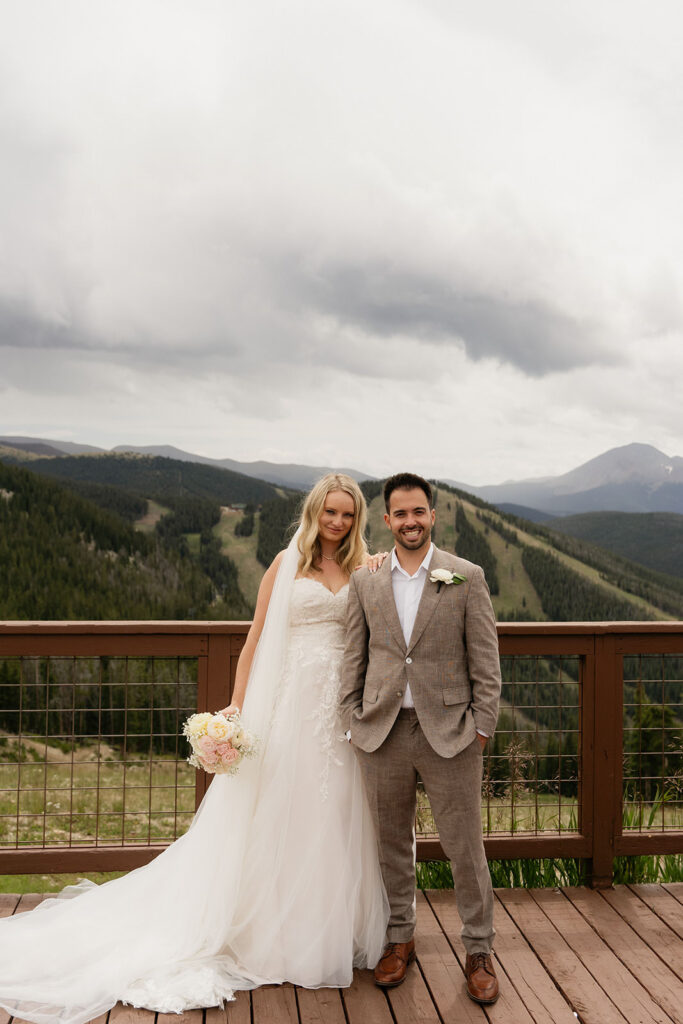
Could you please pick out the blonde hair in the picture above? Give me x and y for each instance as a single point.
(353, 550)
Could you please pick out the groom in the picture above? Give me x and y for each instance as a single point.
(419, 693)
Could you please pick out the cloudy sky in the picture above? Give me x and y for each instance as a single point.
(428, 234)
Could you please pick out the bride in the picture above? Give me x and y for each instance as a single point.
(277, 878)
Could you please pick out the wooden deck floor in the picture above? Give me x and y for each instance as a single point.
(613, 957)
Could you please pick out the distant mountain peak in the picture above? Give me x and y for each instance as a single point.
(634, 477)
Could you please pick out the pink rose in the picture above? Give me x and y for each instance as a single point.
(209, 758)
(223, 748)
(230, 756)
(206, 745)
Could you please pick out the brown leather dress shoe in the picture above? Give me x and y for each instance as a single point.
(482, 983)
(392, 967)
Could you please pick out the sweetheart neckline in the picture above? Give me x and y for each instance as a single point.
(334, 593)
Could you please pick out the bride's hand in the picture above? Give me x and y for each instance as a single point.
(232, 709)
(374, 562)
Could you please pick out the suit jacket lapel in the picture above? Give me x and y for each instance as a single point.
(431, 595)
(385, 601)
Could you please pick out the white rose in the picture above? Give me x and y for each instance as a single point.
(441, 576)
(196, 724)
(219, 729)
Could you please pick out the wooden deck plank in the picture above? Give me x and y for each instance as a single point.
(124, 1014)
(320, 1006)
(411, 1002)
(578, 986)
(537, 990)
(675, 889)
(442, 971)
(509, 1009)
(237, 1011)
(643, 963)
(275, 1004)
(364, 1002)
(188, 1017)
(664, 904)
(625, 991)
(8, 903)
(30, 900)
(651, 929)
(614, 957)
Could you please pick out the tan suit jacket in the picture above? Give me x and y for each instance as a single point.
(451, 662)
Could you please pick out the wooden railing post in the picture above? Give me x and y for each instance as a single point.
(214, 686)
(608, 710)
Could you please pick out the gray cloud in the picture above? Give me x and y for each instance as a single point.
(413, 193)
(386, 301)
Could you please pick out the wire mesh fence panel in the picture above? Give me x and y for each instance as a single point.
(91, 751)
(653, 743)
(532, 774)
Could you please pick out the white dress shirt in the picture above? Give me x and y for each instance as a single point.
(407, 593)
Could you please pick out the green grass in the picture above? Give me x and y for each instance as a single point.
(193, 543)
(546, 873)
(516, 589)
(242, 550)
(148, 522)
(51, 883)
(58, 803)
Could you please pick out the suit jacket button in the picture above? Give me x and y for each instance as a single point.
(409, 661)
(399, 693)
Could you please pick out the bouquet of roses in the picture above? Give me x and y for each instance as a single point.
(219, 742)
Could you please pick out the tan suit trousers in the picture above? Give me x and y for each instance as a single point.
(453, 785)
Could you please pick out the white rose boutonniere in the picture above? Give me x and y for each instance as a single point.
(441, 576)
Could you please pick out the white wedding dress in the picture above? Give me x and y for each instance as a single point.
(276, 880)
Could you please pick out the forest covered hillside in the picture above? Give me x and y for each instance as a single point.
(654, 539)
(153, 476)
(536, 574)
(166, 539)
(533, 572)
(63, 557)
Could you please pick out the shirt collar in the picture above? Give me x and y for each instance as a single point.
(395, 564)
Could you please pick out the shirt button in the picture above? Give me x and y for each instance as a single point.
(409, 661)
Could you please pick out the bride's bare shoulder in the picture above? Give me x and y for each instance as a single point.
(269, 575)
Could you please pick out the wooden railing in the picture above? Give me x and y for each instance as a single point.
(598, 652)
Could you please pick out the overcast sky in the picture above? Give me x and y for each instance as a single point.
(427, 234)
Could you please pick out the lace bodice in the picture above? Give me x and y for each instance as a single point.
(313, 605)
(312, 672)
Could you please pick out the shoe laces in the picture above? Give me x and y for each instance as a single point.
(391, 949)
(479, 961)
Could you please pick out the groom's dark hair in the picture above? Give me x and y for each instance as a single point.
(406, 482)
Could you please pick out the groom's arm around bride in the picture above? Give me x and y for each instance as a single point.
(420, 691)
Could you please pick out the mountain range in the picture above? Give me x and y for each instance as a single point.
(290, 475)
(631, 478)
(220, 528)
